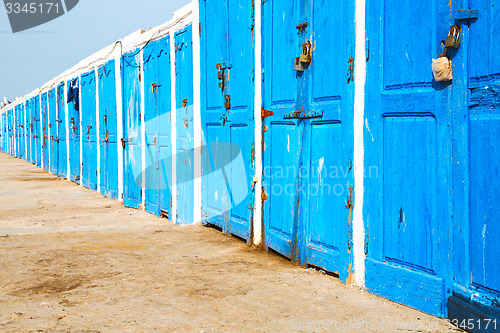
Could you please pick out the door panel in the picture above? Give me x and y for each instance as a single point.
(108, 136)
(158, 124)
(45, 131)
(185, 144)
(407, 149)
(164, 95)
(309, 140)
(89, 163)
(484, 154)
(27, 125)
(74, 129)
(37, 156)
(53, 135)
(61, 132)
(215, 51)
(228, 129)
(132, 161)
(151, 127)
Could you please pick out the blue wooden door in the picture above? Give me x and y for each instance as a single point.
(89, 144)
(308, 139)
(184, 125)
(407, 155)
(62, 159)
(19, 152)
(45, 131)
(54, 153)
(227, 114)
(27, 133)
(157, 125)
(21, 126)
(74, 129)
(132, 129)
(476, 171)
(37, 153)
(484, 152)
(108, 134)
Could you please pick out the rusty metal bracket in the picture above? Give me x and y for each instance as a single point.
(184, 102)
(227, 102)
(302, 27)
(304, 115)
(266, 113)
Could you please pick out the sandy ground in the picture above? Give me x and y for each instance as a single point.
(73, 261)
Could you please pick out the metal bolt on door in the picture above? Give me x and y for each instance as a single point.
(308, 138)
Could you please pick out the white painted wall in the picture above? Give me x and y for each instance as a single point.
(359, 152)
(173, 213)
(257, 220)
(197, 111)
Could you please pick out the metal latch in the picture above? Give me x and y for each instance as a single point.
(304, 115)
(125, 141)
(221, 67)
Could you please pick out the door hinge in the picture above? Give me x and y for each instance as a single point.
(263, 195)
(266, 113)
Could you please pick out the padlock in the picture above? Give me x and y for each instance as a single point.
(227, 102)
(306, 56)
(453, 39)
(298, 65)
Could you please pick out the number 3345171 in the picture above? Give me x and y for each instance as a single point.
(32, 8)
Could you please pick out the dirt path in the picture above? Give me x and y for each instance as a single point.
(72, 261)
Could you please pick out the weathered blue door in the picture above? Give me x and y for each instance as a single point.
(89, 144)
(45, 130)
(37, 146)
(132, 157)
(13, 113)
(28, 125)
(407, 155)
(227, 114)
(62, 159)
(476, 171)
(107, 127)
(157, 125)
(73, 100)
(308, 138)
(20, 133)
(184, 125)
(54, 154)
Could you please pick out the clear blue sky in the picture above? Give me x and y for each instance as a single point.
(29, 59)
